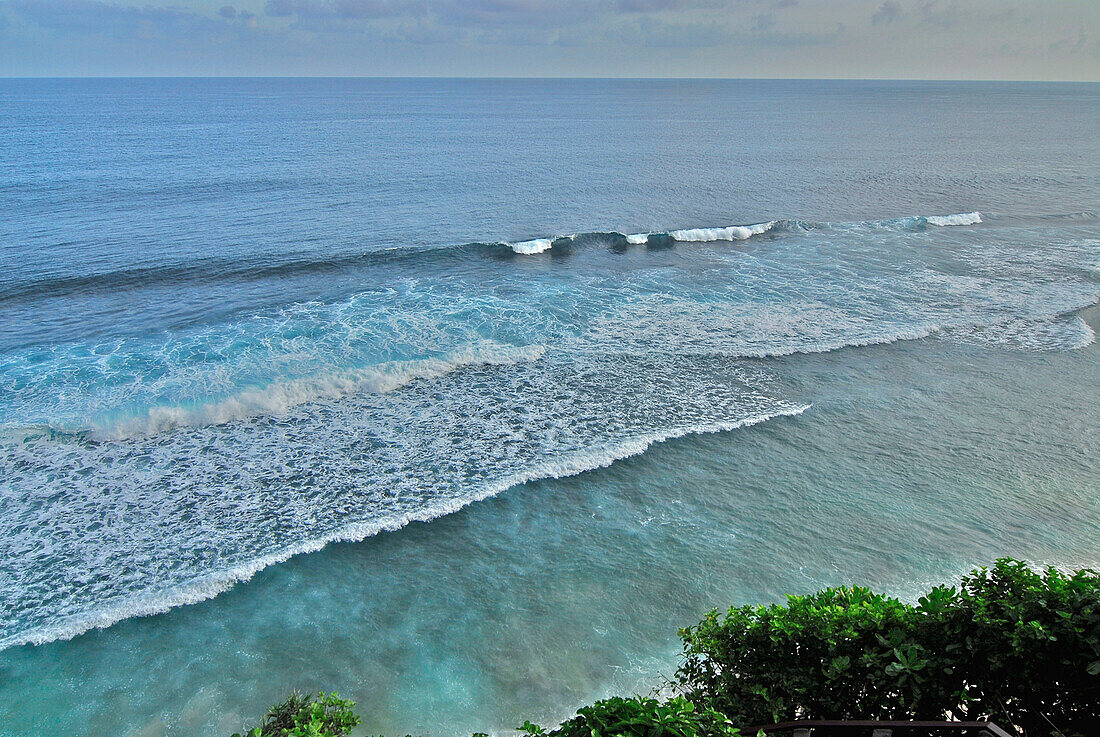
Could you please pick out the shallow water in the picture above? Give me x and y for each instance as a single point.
(246, 319)
(558, 591)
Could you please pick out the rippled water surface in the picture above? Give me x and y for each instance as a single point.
(684, 343)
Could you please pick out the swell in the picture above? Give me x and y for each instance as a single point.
(203, 271)
(208, 586)
(686, 235)
(259, 268)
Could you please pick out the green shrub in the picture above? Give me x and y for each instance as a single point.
(641, 717)
(1018, 646)
(1011, 644)
(301, 715)
(1028, 642)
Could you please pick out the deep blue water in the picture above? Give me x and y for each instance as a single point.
(245, 319)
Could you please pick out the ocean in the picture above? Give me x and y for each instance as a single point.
(459, 397)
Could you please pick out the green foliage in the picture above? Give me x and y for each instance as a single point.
(301, 715)
(1018, 646)
(641, 717)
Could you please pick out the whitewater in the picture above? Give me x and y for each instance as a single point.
(356, 381)
(346, 386)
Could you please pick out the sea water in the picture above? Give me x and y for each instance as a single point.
(460, 396)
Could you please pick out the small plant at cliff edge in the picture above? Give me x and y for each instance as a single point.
(301, 715)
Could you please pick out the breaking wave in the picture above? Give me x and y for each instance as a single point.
(730, 233)
(733, 232)
(687, 235)
(538, 245)
(217, 451)
(157, 601)
(246, 269)
(964, 218)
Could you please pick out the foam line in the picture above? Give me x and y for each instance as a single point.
(279, 397)
(208, 586)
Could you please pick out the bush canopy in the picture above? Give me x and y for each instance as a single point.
(1009, 644)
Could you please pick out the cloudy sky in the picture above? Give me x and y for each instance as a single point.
(924, 39)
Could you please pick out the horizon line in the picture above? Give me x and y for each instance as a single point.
(548, 78)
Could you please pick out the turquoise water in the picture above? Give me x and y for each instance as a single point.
(460, 397)
(559, 591)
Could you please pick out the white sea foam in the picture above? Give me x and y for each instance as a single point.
(279, 397)
(1034, 335)
(156, 601)
(750, 330)
(539, 245)
(638, 355)
(730, 233)
(963, 218)
(536, 245)
(741, 232)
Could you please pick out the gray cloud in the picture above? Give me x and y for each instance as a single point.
(763, 23)
(463, 13)
(123, 21)
(367, 9)
(927, 38)
(307, 8)
(888, 12)
(940, 14)
(654, 6)
(506, 12)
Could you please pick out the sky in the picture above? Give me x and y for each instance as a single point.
(891, 39)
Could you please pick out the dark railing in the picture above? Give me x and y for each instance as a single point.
(858, 728)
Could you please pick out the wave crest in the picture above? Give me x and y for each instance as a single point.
(729, 233)
(539, 245)
(962, 218)
(737, 232)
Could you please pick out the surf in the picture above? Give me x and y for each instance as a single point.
(209, 585)
(246, 268)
